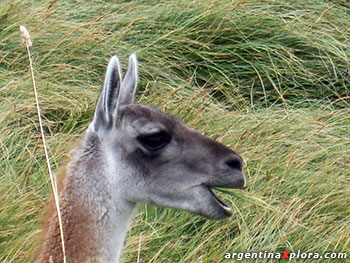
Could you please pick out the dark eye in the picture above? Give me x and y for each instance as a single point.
(154, 142)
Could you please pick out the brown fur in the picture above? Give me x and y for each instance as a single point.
(79, 232)
(78, 228)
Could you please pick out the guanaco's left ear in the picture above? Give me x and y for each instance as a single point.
(107, 102)
(129, 84)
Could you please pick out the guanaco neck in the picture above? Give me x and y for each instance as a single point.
(95, 215)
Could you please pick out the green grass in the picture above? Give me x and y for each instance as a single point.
(269, 78)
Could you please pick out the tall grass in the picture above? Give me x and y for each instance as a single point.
(268, 78)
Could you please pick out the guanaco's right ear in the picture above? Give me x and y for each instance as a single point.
(107, 101)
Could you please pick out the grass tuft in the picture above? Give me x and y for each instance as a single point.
(268, 78)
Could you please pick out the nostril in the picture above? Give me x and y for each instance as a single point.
(234, 164)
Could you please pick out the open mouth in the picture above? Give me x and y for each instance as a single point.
(225, 207)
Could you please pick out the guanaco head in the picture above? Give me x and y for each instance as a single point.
(154, 158)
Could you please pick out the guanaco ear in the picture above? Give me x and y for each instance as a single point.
(108, 99)
(129, 83)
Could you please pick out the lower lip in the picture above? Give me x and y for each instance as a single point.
(227, 209)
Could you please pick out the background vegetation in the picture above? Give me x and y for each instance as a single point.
(268, 78)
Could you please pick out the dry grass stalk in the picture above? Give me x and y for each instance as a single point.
(139, 249)
(28, 43)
